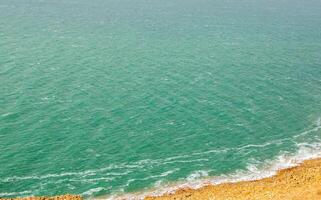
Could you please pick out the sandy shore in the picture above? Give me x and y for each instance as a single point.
(301, 182)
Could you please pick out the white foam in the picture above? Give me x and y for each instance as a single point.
(254, 171)
(197, 175)
(270, 167)
(315, 129)
(85, 173)
(23, 193)
(6, 114)
(93, 191)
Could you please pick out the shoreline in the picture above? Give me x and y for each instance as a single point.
(298, 182)
(302, 181)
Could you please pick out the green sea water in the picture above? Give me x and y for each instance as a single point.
(112, 97)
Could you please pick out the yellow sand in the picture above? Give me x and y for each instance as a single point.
(298, 183)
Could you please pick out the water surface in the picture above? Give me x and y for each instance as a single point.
(107, 97)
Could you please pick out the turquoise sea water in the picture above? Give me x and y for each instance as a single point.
(110, 97)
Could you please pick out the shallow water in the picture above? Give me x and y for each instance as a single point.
(112, 97)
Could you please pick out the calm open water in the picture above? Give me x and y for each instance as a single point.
(109, 97)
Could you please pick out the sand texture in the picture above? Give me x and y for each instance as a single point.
(297, 183)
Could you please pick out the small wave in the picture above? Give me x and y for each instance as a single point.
(270, 167)
(93, 191)
(138, 165)
(91, 180)
(6, 114)
(8, 194)
(158, 183)
(316, 128)
(187, 161)
(85, 173)
(164, 174)
(197, 175)
(254, 171)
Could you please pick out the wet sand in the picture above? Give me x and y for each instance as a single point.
(298, 183)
